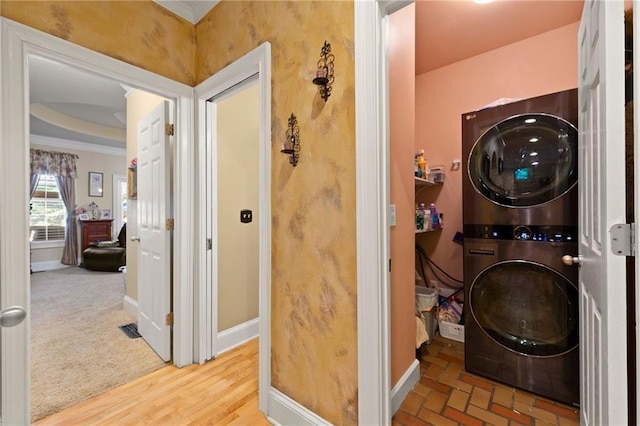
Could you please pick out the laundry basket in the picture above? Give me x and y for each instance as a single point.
(426, 298)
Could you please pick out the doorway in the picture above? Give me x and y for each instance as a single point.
(85, 117)
(24, 42)
(248, 76)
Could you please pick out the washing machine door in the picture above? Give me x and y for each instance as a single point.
(526, 307)
(525, 160)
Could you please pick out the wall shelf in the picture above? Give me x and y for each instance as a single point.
(423, 231)
(421, 184)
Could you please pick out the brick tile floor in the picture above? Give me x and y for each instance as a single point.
(447, 395)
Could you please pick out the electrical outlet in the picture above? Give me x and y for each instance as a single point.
(433, 283)
(246, 216)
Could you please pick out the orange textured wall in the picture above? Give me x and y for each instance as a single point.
(536, 66)
(401, 50)
(140, 33)
(314, 305)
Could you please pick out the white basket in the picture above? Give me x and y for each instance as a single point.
(426, 297)
(451, 331)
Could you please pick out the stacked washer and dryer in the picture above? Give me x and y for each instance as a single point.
(520, 217)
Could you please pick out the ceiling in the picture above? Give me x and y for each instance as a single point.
(448, 31)
(75, 105)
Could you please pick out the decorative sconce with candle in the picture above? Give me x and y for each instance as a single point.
(291, 146)
(324, 73)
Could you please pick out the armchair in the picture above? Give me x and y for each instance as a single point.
(107, 255)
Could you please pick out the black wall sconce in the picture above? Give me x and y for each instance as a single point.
(291, 146)
(324, 73)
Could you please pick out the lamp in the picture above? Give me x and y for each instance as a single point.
(324, 73)
(291, 146)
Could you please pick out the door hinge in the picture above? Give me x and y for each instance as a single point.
(209, 244)
(169, 225)
(169, 319)
(169, 129)
(623, 239)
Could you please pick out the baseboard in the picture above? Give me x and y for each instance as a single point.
(130, 307)
(404, 386)
(285, 411)
(235, 336)
(49, 265)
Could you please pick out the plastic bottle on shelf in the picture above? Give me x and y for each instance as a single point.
(441, 221)
(426, 214)
(422, 165)
(435, 219)
(419, 219)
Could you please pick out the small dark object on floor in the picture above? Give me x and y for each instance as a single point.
(131, 330)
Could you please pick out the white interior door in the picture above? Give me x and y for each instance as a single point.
(603, 355)
(154, 255)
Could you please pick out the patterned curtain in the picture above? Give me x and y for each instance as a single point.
(62, 165)
(53, 163)
(67, 188)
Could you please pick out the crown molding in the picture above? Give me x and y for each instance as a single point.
(192, 11)
(77, 145)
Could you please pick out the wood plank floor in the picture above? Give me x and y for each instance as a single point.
(222, 391)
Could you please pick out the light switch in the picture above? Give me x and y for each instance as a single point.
(392, 215)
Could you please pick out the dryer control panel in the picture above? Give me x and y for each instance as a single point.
(544, 233)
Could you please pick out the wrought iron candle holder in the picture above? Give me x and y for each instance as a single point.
(291, 146)
(324, 73)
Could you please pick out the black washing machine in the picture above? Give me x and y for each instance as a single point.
(520, 216)
(521, 308)
(522, 162)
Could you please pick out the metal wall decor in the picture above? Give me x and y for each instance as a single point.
(291, 146)
(324, 73)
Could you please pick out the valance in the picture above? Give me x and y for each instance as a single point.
(53, 163)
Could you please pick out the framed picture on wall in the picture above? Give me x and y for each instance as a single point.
(95, 184)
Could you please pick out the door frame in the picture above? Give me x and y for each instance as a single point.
(18, 43)
(115, 180)
(372, 199)
(258, 61)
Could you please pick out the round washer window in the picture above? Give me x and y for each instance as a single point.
(525, 160)
(526, 307)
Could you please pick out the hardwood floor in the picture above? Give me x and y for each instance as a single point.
(222, 391)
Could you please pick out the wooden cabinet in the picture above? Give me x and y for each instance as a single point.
(94, 230)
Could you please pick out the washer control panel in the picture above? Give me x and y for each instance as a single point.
(544, 233)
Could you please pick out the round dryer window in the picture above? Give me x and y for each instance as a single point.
(526, 307)
(525, 160)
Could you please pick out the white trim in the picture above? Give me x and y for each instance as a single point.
(40, 245)
(285, 411)
(405, 386)
(77, 145)
(20, 41)
(130, 307)
(235, 336)
(48, 265)
(193, 12)
(371, 218)
(116, 205)
(257, 61)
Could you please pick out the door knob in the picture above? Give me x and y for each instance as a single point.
(12, 316)
(569, 260)
(136, 238)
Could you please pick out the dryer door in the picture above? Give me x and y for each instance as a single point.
(525, 160)
(526, 307)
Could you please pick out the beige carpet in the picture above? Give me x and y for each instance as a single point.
(77, 349)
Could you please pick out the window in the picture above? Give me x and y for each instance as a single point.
(48, 215)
